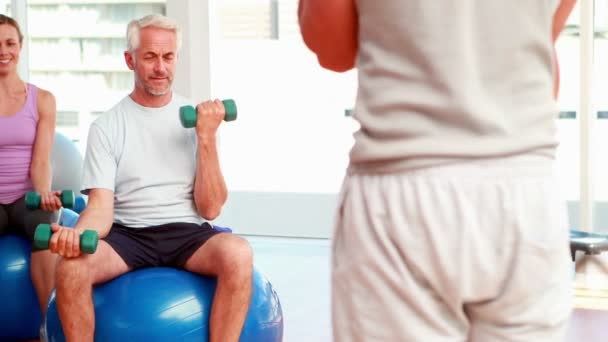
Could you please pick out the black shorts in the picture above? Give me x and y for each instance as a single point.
(16, 218)
(169, 244)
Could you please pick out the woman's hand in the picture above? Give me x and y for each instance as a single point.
(50, 201)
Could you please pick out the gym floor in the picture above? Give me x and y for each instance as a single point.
(299, 272)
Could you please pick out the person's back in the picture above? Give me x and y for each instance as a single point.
(450, 206)
(445, 81)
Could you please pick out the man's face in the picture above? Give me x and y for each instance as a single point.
(154, 60)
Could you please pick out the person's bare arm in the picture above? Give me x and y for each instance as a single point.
(559, 21)
(561, 16)
(40, 166)
(210, 191)
(98, 215)
(330, 29)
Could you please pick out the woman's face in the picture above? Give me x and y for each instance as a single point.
(10, 48)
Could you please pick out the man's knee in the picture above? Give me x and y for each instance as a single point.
(243, 253)
(237, 259)
(72, 270)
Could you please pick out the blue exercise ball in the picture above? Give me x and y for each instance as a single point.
(80, 204)
(20, 315)
(69, 218)
(167, 304)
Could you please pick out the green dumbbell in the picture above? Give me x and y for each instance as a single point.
(32, 199)
(187, 114)
(88, 239)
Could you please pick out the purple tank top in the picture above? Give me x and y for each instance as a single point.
(18, 132)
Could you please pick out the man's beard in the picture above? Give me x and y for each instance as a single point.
(154, 91)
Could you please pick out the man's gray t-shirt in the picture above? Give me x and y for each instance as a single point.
(147, 159)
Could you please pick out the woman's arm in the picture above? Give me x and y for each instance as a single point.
(40, 166)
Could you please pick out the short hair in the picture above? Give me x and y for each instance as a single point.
(6, 20)
(152, 20)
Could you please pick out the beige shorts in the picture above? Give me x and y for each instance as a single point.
(471, 252)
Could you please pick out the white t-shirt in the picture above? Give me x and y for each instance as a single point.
(147, 159)
(452, 81)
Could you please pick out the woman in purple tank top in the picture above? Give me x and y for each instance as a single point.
(27, 123)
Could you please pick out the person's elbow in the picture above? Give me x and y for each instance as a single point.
(209, 211)
(339, 63)
(338, 57)
(330, 29)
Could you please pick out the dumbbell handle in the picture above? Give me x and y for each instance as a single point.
(187, 114)
(88, 239)
(33, 199)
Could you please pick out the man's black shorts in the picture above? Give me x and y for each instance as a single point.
(169, 244)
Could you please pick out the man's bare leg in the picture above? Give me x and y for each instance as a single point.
(230, 259)
(74, 289)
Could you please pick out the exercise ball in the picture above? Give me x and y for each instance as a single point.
(66, 163)
(68, 217)
(20, 315)
(167, 304)
(80, 204)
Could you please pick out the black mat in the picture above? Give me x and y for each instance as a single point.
(590, 243)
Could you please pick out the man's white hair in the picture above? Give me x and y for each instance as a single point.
(152, 20)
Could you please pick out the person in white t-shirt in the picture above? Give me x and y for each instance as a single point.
(450, 224)
(149, 182)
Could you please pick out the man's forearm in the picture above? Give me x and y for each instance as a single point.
(98, 219)
(210, 192)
